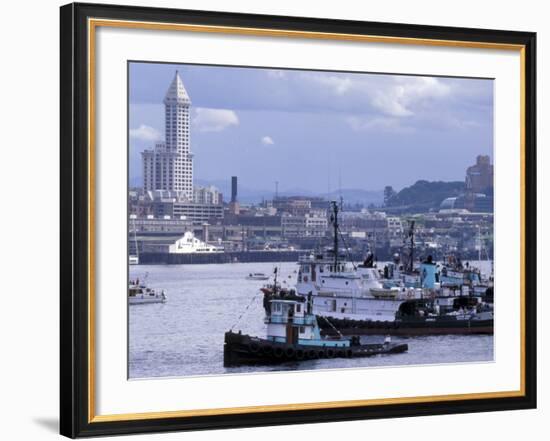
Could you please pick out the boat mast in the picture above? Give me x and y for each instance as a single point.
(334, 219)
(411, 246)
(135, 238)
(479, 243)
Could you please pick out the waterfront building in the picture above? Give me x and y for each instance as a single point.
(150, 224)
(207, 195)
(395, 227)
(479, 177)
(316, 226)
(303, 226)
(169, 166)
(299, 205)
(197, 212)
(474, 202)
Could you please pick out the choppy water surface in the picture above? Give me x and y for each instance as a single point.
(185, 335)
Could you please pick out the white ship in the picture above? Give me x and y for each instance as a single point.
(343, 290)
(188, 244)
(139, 294)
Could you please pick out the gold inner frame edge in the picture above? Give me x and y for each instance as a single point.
(92, 25)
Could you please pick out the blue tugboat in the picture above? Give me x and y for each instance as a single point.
(293, 334)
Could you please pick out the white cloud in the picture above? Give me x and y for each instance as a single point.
(267, 140)
(404, 94)
(338, 85)
(214, 120)
(145, 133)
(398, 96)
(391, 102)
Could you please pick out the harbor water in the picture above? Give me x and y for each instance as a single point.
(185, 335)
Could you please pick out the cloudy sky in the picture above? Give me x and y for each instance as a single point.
(317, 130)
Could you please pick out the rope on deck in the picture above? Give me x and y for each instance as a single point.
(245, 310)
(332, 326)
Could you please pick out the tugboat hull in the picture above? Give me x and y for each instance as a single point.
(407, 327)
(240, 349)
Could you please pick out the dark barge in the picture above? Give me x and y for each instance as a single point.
(418, 317)
(409, 327)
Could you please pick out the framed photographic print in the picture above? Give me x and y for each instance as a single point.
(276, 220)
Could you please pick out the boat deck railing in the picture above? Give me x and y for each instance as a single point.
(301, 321)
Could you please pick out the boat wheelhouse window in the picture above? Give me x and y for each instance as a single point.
(302, 329)
(298, 308)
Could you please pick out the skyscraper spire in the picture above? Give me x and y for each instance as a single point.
(169, 166)
(176, 93)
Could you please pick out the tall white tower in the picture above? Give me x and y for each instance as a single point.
(170, 165)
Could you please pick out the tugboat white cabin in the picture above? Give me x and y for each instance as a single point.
(291, 322)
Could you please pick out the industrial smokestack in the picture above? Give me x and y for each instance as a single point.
(233, 189)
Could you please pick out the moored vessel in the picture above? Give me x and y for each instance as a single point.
(257, 276)
(359, 299)
(140, 294)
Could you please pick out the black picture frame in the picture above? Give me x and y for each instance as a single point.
(75, 415)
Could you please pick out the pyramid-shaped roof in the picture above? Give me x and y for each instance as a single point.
(176, 92)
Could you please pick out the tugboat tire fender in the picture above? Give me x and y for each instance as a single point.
(253, 347)
(300, 354)
(311, 354)
(290, 352)
(330, 353)
(278, 352)
(349, 353)
(266, 349)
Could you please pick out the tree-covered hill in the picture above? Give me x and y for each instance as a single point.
(425, 195)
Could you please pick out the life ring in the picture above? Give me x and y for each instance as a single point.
(266, 349)
(410, 294)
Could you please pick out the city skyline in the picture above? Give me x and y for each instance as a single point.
(280, 125)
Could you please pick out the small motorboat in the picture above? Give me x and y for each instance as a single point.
(139, 294)
(257, 276)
